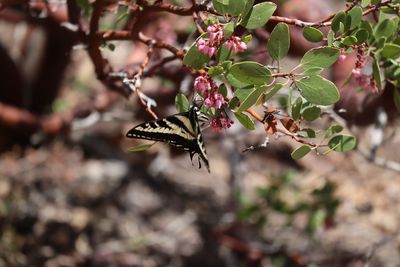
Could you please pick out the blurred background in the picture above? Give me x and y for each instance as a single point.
(72, 195)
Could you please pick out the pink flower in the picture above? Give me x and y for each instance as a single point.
(356, 73)
(202, 84)
(204, 47)
(236, 45)
(220, 122)
(214, 100)
(216, 34)
(342, 56)
(367, 82)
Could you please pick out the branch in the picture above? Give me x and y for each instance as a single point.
(14, 117)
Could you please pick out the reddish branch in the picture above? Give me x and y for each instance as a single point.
(52, 124)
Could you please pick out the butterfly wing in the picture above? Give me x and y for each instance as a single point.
(181, 130)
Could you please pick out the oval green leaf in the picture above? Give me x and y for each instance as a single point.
(245, 120)
(362, 36)
(356, 15)
(279, 41)
(259, 15)
(181, 103)
(250, 72)
(342, 143)
(312, 34)
(300, 152)
(321, 57)
(311, 113)
(140, 148)
(221, 6)
(340, 17)
(391, 50)
(333, 130)
(318, 90)
(251, 98)
(385, 28)
(273, 91)
(296, 107)
(236, 7)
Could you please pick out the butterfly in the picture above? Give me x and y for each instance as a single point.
(181, 130)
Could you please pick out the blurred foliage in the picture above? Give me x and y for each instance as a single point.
(284, 196)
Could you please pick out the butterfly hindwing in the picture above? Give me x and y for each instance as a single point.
(181, 130)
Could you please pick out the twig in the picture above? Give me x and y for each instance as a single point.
(380, 162)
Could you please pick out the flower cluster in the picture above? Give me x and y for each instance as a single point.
(209, 46)
(208, 89)
(363, 80)
(220, 122)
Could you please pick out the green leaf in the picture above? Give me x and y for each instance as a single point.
(273, 91)
(235, 82)
(236, 7)
(251, 98)
(318, 90)
(223, 54)
(334, 129)
(296, 107)
(376, 73)
(385, 28)
(140, 148)
(181, 103)
(342, 143)
(215, 71)
(194, 58)
(362, 36)
(300, 152)
(242, 93)
(321, 57)
(396, 99)
(250, 72)
(259, 15)
(367, 26)
(365, 3)
(312, 34)
(312, 71)
(349, 40)
(279, 41)
(310, 132)
(356, 15)
(248, 8)
(340, 17)
(311, 113)
(223, 90)
(221, 6)
(391, 51)
(228, 29)
(234, 102)
(247, 38)
(330, 37)
(245, 120)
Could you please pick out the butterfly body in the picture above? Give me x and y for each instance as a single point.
(181, 130)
